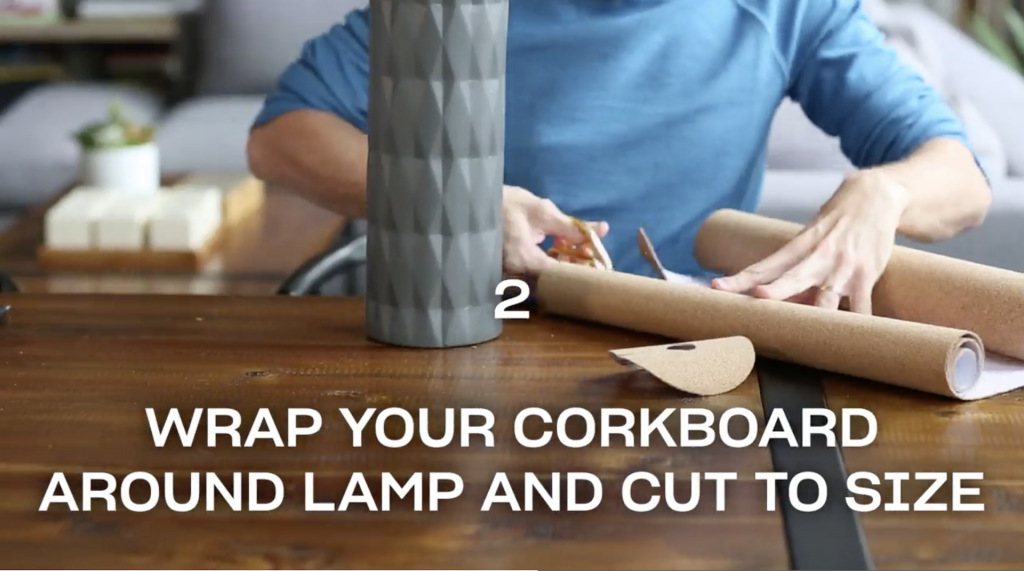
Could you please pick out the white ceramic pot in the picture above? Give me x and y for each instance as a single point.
(128, 169)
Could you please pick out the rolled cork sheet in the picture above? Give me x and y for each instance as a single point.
(916, 286)
(929, 358)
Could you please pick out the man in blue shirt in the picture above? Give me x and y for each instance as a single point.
(655, 113)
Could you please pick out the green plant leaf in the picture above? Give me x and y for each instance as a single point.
(1015, 23)
(115, 131)
(989, 38)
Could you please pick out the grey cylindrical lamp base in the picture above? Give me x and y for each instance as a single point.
(435, 171)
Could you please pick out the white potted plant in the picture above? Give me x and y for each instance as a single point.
(118, 154)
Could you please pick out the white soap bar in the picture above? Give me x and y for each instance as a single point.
(70, 223)
(123, 224)
(185, 219)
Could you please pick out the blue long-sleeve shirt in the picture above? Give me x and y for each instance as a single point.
(655, 113)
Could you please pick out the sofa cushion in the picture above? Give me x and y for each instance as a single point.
(982, 136)
(911, 40)
(247, 44)
(38, 154)
(208, 134)
(996, 90)
(917, 48)
(1008, 123)
(797, 196)
(910, 55)
(795, 143)
(877, 10)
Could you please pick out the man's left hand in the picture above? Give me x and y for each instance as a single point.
(841, 254)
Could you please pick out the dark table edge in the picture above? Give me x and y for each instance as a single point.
(830, 538)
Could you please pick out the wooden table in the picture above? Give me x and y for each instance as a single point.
(134, 30)
(920, 433)
(77, 373)
(253, 259)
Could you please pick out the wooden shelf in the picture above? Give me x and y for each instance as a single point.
(93, 31)
(20, 73)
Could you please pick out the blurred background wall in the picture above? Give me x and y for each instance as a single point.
(135, 41)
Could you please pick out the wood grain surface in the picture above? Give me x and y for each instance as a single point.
(78, 371)
(150, 284)
(923, 433)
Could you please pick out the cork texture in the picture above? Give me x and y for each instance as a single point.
(916, 286)
(703, 368)
(901, 353)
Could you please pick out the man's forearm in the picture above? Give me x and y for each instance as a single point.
(943, 190)
(316, 155)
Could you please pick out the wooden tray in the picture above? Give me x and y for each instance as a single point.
(244, 198)
(144, 260)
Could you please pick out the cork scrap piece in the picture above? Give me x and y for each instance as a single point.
(703, 368)
(647, 251)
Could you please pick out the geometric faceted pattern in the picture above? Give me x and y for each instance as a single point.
(436, 118)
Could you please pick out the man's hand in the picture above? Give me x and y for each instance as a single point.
(841, 253)
(528, 221)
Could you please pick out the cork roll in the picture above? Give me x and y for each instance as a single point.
(916, 286)
(930, 358)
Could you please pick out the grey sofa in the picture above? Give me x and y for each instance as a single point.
(805, 165)
(245, 44)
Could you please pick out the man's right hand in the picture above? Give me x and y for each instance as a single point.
(530, 219)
